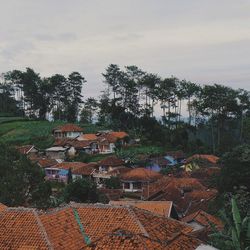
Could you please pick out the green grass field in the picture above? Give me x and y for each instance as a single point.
(18, 132)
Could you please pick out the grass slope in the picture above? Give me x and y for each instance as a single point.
(34, 132)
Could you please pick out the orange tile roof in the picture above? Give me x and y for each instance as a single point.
(88, 169)
(119, 135)
(210, 158)
(21, 229)
(204, 219)
(70, 227)
(111, 161)
(162, 208)
(183, 242)
(69, 128)
(140, 174)
(45, 163)
(106, 138)
(87, 137)
(68, 165)
(121, 239)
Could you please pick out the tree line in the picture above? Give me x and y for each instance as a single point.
(129, 101)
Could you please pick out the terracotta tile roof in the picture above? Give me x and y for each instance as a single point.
(210, 158)
(119, 135)
(74, 226)
(171, 185)
(121, 239)
(2, 207)
(162, 208)
(111, 161)
(21, 229)
(62, 141)
(45, 162)
(88, 169)
(72, 142)
(67, 165)
(69, 128)
(204, 219)
(140, 174)
(183, 241)
(118, 171)
(106, 138)
(112, 194)
(87, 137)
(158, 227)
(25, 149)
(176, 154)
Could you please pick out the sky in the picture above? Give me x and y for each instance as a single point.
(198, 40)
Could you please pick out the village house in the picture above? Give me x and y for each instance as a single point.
(29, 150)
(175, 157)
(133, 180)
(187, 194)
(60, 171)
(203, 223)
(198, 161)
(109, 166)
(57, 153)
(85, 227)
(162, 208)
(68, 130)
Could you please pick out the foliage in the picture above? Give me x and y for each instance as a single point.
(236, 235)
(81, 190)
(235, 171)
(21, 182)
(113, 183)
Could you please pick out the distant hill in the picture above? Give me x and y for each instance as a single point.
(17, 131)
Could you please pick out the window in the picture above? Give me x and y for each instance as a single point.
(126, 185)
(137, 185)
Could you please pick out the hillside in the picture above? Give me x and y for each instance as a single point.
(20, 132)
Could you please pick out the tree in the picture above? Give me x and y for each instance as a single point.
(21, 182)
(236, 235)
(81, 190)
(88, 111)
(235, 170)
(113, 183)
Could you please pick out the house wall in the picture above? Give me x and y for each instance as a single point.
(72, 134)
(55, 155)
(131, 186)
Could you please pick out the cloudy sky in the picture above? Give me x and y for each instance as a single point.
(199, 40)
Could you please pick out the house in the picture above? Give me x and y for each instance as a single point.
(109, 166)
(120, 136)
(175, 157)
(106, 143)
(162, 208)
(60, 171)
(67, 130)
(56, 152)
(198, 161)
(29, 150)
(87, 137)
(133, 180)
(158, 163)
(46, 163)
(188, 194)
(203, 223)
(92, 226)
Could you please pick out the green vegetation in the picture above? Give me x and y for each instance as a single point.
(21, 182)
(236, 235)
(34, 132)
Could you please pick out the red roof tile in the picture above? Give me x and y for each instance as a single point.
(204, 219)
(87, 137)
(21, 229)
(210, 158)
(45, 162)
(68, 165)
(69, 128)
(111, 161)
(119, 135)
(76, 225)
(140, 174)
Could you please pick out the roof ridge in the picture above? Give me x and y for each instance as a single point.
(132, 213)
(40, 225)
